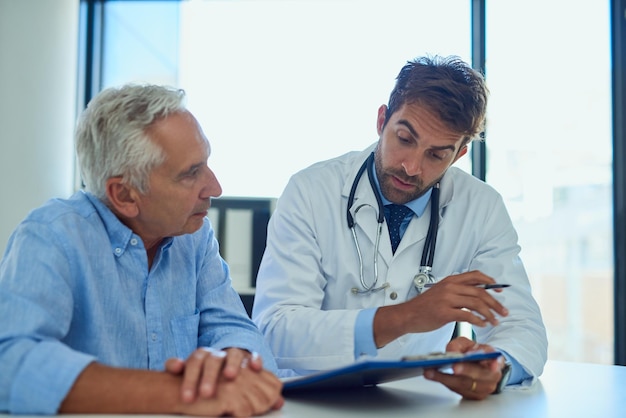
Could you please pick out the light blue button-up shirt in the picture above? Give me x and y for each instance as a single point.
(75, 287)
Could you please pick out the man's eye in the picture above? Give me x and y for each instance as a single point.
(192, 173)
(437, 156)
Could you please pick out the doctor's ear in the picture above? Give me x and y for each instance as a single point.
(462, 152)
(380, 120)
(122, 197)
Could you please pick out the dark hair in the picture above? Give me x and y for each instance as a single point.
(448, 87)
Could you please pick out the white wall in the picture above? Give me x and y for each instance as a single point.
(38, 73)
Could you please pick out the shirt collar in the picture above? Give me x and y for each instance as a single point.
(119, 234)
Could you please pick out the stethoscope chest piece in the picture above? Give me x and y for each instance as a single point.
(422, 278)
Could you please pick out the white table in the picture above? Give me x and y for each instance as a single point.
(564, 390)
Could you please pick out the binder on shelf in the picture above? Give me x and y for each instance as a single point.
(240, 224)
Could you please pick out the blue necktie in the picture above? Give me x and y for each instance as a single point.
(395, 215)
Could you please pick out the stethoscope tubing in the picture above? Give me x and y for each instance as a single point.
(428, 253)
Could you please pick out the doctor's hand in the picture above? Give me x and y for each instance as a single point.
(472, 380)
(205, 366)
(454, 299)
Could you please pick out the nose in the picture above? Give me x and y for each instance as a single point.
(413, 163)
(212, 187)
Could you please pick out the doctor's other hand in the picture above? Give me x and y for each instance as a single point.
(454, 299)
(206, 365)
(250, 393)
(472, 380)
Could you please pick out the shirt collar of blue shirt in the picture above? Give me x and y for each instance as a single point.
(119, 234)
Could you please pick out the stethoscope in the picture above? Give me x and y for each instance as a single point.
(424, 274)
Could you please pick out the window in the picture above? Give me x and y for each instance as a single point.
(280, 84)
(550, 154)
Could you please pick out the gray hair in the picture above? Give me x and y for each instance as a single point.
(111, 138)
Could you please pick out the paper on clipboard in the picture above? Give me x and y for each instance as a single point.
(371, 371)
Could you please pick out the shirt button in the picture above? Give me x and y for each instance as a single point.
(154, 336)
(133, 241)
(118, 251)
(393, 295)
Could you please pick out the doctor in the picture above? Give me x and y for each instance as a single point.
(332, 288)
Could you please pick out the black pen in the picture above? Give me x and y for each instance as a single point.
(492, 286)
(482, 286)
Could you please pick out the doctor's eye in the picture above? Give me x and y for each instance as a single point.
(404, 140)
(437, 155)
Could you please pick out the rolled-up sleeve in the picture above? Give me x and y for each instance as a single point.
(40, 371)
(37, 369)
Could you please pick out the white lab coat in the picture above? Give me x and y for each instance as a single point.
(304, 304)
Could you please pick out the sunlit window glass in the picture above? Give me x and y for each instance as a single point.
(280, 84)
(549, 154)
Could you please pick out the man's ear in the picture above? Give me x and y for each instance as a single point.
(380, 120)
(461, 153)
(122, 197)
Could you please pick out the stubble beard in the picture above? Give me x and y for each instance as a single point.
(389, 191)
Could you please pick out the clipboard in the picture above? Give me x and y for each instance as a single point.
(371, 371)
